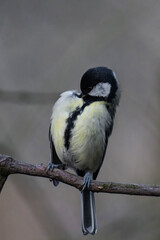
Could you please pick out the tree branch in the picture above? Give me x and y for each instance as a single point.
(8, 166)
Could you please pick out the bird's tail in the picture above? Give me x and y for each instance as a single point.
(89, 221)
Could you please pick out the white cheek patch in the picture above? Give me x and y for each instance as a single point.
(101, 90)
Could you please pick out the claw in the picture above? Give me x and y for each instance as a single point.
(86, 181)
(52, 166)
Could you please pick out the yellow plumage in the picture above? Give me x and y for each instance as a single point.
(87, 141)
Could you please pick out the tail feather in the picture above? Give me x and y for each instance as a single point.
(89, 221)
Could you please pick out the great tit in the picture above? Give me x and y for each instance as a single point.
(81, 124)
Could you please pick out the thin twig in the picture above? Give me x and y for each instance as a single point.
(8, 166)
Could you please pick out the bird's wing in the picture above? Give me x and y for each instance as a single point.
(107, 134)
(54, 158)
(97, 171)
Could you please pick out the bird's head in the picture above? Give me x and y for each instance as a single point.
(101, 82)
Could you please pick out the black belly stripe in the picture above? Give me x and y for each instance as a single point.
(71, 123)
(73, 116)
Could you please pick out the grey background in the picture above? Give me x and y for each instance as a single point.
(45, 46)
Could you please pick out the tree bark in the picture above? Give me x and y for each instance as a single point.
(8, 166)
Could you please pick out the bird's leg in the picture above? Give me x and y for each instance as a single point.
(87, 180)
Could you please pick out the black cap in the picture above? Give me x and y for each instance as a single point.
(95, 75)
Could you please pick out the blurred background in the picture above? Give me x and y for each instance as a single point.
(45, 47)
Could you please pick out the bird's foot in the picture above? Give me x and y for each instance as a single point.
(86, 181)
(52, 166)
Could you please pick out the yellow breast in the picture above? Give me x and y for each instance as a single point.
(88, 136)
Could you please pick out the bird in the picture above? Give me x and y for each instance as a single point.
(80, 126)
